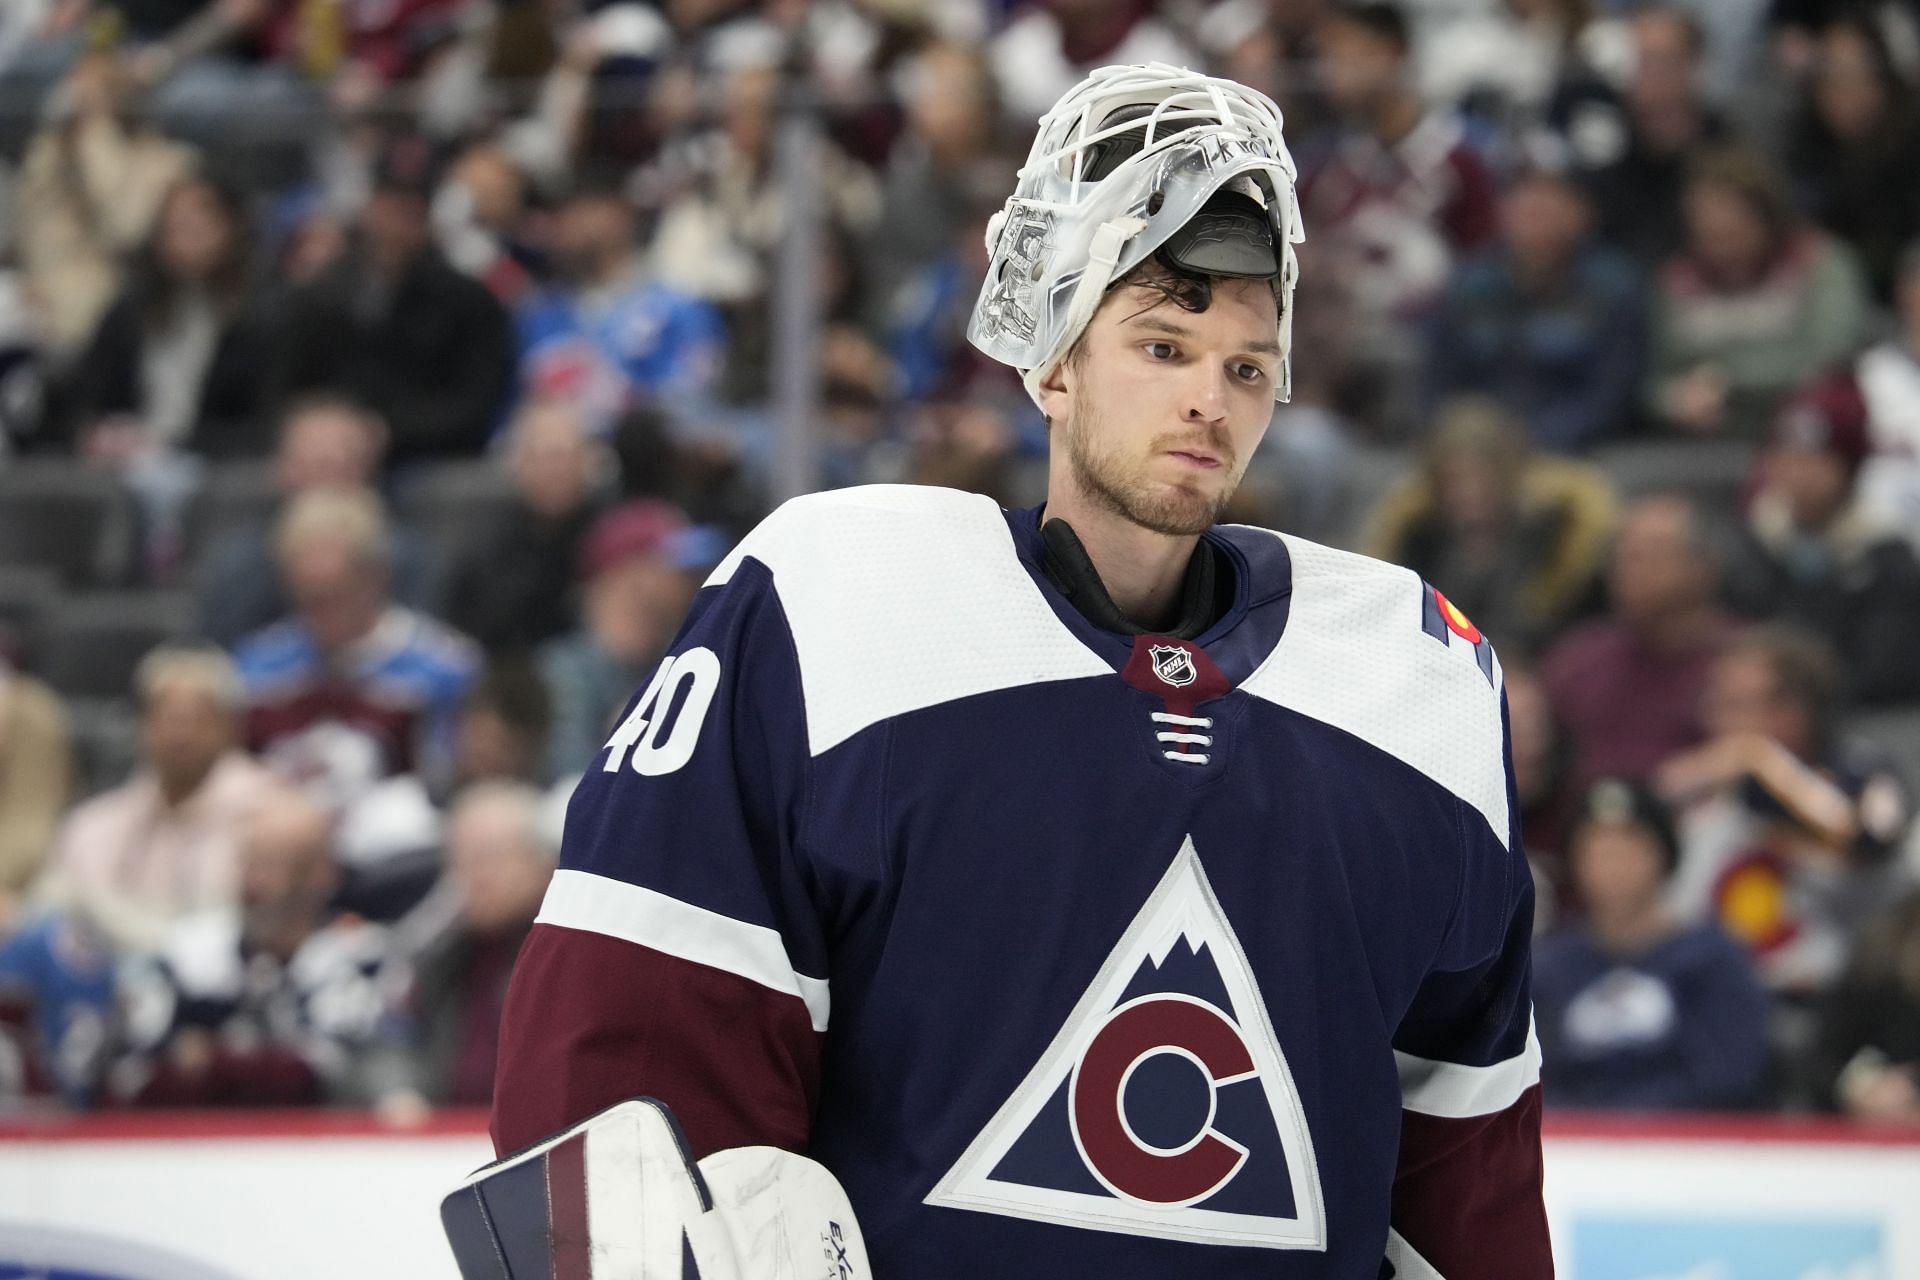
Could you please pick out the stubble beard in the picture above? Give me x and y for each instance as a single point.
(1122, 488)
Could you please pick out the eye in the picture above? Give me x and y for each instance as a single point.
(1158, 350)
(1249, 372)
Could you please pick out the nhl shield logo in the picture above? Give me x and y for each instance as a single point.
(1173, 664)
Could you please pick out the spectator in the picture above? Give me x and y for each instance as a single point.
(36, 773)
(400, 329)
(717, 238)
(1754, 305)
(498, 859)
(1889, 375)
(961, 444)
(1273, 47)
(352, 688)
(370, 45)
(636, 594)
(1514, 540)
(1635, 1008)
(91, 186)
(56, 1010)
(513, 587)
(858, 57)
(1046, 49)
(503, 730)
(478, 215)
(1668, 119)
(310, 235)
(179, 361)
(941, 170)
(611, 336)
(1627, 687)
(1853, 149)
(923, 316)
(604, 96)
(1395, 197)
(1870, 1028)
(198, 63)
(134, 861)
(1549, 323)
(1789, 829)
(270, 1004)
(706, 478)
(1506, 60)
(326, 442)
(1815, 555)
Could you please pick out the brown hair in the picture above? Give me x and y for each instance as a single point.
(1748, 175)
(1803, 665)
(1479, 427)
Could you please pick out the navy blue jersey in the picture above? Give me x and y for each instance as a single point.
(1071, 953)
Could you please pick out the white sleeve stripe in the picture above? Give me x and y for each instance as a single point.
(1407, 1262)
(1457, 1092)
(599, 904)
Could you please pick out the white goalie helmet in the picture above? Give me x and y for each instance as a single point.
(1129, 161)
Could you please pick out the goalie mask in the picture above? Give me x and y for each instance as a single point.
(1131, 161)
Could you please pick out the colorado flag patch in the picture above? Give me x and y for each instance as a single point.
(1164, 1106)
(1442, 619)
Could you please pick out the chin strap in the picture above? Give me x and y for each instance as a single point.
(1103, 255)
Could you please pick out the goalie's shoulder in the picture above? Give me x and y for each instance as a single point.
(1372, 649)
(882, 535)
(902, 597)
(1344, 597)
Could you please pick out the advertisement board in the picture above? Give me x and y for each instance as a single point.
(301, 1197)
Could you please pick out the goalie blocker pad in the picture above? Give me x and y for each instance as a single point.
(618, 1197)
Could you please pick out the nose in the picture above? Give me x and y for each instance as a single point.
(1207, 395)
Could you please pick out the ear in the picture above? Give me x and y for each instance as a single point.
(1056, 391)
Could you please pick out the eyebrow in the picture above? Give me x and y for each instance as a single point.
(1153, 324)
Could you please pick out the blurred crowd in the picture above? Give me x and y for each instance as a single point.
(380, 378)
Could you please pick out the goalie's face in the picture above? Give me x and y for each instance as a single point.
(1159, 408)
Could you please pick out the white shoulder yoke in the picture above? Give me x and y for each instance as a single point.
(901, 597)
(1355, 655)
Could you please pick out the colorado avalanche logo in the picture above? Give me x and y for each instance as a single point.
(1173, 664)
(1164, 1107)
(1165, 1169)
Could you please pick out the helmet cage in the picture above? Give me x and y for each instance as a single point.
(1064, 237)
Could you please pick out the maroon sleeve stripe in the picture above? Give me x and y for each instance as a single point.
(592, 1020)
(1467, 1193)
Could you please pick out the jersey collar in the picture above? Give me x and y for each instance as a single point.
(1252, 580)
(1204, 595)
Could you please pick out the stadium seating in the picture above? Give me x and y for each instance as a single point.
(236, 496)
(91, 642)
(449, 503)
(1713, 472)
(63, 516)
(26, 593)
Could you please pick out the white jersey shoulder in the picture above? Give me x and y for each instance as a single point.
(1358, 654)
(901, 597)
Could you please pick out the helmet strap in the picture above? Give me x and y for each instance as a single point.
(1103, 255)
